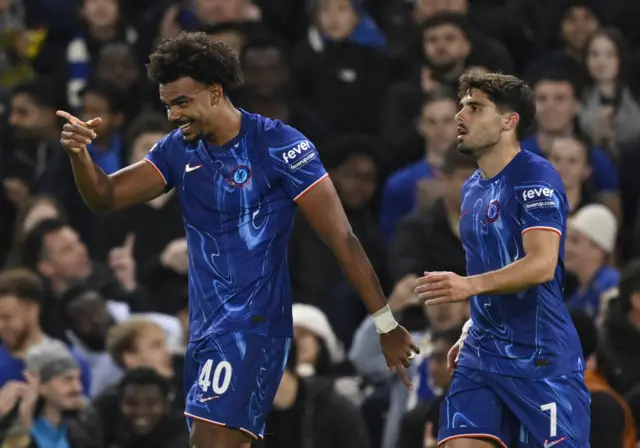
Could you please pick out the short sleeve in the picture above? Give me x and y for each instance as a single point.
(543, 203)
(295, 160)
(158, 157)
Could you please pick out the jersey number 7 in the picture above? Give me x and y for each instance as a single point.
(221, 377)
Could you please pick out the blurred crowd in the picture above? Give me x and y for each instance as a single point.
(93, 308)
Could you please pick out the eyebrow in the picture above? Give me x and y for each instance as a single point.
(471, 103)
(178, 99)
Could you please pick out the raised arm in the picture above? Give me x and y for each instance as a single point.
(134, 184)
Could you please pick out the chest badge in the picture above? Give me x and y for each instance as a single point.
(240, 176)
(493, 211)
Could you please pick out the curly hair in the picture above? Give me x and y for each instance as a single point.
(196, 56)
(507, 92)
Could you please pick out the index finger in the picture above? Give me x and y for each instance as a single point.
(67, 116)
(402, 373)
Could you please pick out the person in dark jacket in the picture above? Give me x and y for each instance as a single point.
(308, 413)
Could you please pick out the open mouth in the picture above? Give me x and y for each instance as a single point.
(461, 132)
(185, 127)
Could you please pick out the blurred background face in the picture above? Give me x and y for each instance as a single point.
(337, 18)
(64, 391)
(603, 60)
(447, 317)
(438, 125)
(425, 9)
(17, 319)
(89, 320)
(67, 257)
(307, 345)
(579, 250)
(578, 26)
(100, 13)
(95, 105)
(569, 158)
(445, 45)
(28, 118)
(152, 351)
(233, 39)
(438, 372)
(556, 105)
(265, 71)
(356, 181)
(218, 11)
(143, 406)
(143, 144)
(117, 65)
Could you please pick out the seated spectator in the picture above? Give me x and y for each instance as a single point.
(572, 159)
(414, 424)
(147, 417)
(87, 320)
(612, 422)
(21, 298)
(53, 410)
(415, 183)
(557, 108)
(622, 329)
(309, 409)
(590, 243)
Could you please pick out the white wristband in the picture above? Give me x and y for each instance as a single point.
(384, 320)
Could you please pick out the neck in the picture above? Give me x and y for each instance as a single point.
(35, 337)
(287, 392)
(586, 273)
(574, 195)
(59, 287)
(545, 139)
(608, 89)
(51, 414)
(226, 125)
(433, 158)
(104, 33)
(573, 53)
(495, 159)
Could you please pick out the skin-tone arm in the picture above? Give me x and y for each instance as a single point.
(132, 185)
(536, 267)
(322, 208)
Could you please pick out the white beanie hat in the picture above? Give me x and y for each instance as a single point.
(597, 223)
(315, 321)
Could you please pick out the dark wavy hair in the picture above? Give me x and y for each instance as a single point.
(196, 56)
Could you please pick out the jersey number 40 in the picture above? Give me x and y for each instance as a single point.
(221, 377)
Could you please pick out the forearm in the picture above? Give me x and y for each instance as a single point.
(356, 265)
(94, 185)
(518, 276)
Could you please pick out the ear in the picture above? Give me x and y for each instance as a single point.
(129, 361)
(216, 94)
(510, 122)
(587, 173)
(45, 268)
(635, 300)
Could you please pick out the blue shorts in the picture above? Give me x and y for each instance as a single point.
(230, 379)
(517, 412)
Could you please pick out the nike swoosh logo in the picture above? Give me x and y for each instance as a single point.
(188, 168)
(548, 444)
(205, 399)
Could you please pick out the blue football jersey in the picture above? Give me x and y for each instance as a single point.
(238, 205)
(528, 333)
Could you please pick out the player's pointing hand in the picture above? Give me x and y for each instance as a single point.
(399, 349)
(76, 134)
(436, 288)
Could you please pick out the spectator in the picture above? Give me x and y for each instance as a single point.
(610, 111)
(52, 410)
(21, 295)
(622, 328)
(231, 34)
(571, 157)
(556, 111)
(436, 125)
(54, 250)
(309, 409)
(612, 421)
(87, 320)
(148, 418)
(102, 22)
(591, 237)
